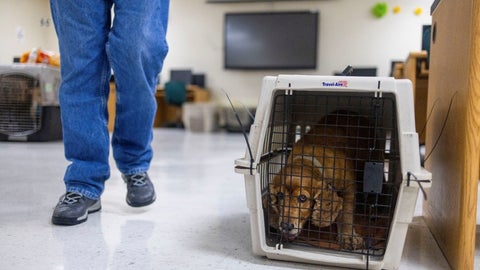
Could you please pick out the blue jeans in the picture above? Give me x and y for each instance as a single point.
(134, 47)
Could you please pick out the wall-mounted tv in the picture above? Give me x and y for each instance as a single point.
(271, 40)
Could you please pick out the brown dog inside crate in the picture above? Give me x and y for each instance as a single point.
(318, 182)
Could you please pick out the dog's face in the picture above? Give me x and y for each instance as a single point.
(297, 194)
(293, 206)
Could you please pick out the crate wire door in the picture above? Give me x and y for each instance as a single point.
(20, 110)
(292, 117)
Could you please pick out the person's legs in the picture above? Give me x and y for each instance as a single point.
(137, 48)
(82, 29)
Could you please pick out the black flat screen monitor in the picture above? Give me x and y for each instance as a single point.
(181, 75)
(271, 40)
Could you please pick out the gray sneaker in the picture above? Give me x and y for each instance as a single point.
(73, 208)
(140, 190)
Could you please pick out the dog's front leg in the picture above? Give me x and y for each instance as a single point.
(347, 236)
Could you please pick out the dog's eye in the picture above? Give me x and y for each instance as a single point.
(280, 195)
(302, 198)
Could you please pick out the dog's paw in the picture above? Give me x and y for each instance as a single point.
(351, 241)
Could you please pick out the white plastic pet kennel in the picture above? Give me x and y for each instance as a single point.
(291, 105)
(29, 108)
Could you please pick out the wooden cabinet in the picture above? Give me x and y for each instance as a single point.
(165, 113)
(453, 131)
(111, 107)
(415, 69)
(168, 113)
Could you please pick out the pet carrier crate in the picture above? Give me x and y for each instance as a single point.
(29, 108)
(332, 170)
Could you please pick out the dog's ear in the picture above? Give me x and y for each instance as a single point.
(268, 200)
(265, 201)
(327, 206)
(270, 207)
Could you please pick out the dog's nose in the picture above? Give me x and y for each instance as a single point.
(286, 226)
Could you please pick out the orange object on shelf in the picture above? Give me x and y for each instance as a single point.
(40, 56)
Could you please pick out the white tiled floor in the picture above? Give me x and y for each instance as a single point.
(200, 219)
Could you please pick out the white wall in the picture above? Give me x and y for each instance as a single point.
(21, 30)
(349, 34)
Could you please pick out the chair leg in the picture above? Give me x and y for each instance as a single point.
(179, 118)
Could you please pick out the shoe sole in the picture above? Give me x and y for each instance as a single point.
(141, 204)
(74, 221)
